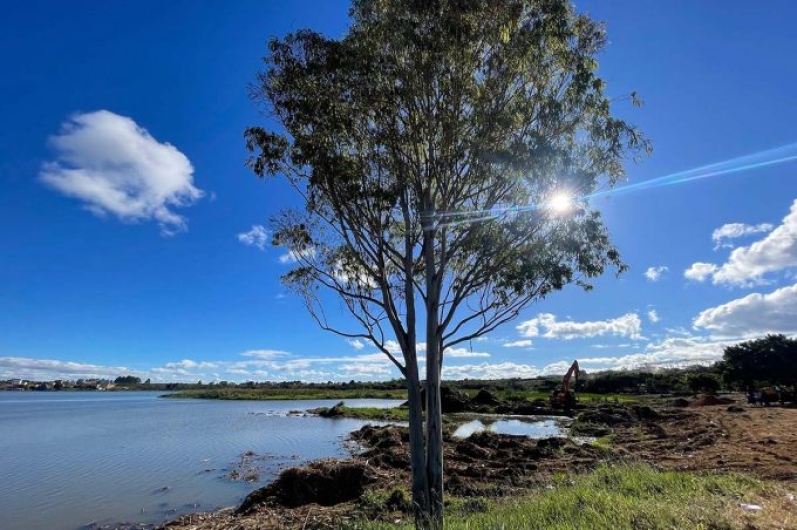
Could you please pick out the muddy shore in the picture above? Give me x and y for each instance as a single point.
(706, 436)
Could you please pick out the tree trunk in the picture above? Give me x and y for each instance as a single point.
(420, 484)
(434, 433)
(434, 425)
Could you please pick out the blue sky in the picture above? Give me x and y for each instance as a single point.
(162, 281)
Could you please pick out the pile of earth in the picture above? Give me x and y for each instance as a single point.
(708, 400)
(485, 463)
(324, 482)
(485, 402)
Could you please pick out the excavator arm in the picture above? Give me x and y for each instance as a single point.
(566, 379)
(564, 397)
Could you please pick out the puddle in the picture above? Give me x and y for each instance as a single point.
(532, 429)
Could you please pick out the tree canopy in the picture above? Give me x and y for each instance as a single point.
(427, 145)
(127, 380)
(769, 360)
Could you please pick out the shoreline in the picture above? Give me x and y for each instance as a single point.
(687, 441)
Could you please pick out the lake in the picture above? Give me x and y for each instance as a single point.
(71, 459)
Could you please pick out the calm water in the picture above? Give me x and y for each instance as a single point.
(68, 459)
(531, 427)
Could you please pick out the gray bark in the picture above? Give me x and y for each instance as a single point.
(434, 426)
(420, 484)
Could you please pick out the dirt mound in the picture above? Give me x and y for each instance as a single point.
(679, 403)
(485, 397)
(607, 416)
(331, 412)
(327, 482)
(707, 401)
(381, 437)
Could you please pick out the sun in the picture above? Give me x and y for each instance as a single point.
(561, 202)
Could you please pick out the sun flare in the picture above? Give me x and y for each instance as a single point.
(560, 203)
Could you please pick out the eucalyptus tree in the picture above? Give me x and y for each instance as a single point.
(443, 151)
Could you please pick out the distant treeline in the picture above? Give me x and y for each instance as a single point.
(769, 361)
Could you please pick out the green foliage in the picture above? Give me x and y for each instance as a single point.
(704, 383)
(770, 360)
(127, 380)
(670, 381)
(436, 120)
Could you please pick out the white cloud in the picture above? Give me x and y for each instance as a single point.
(628, 325)
(266, 354)
(526, 343)
(670, 352)
(722, 235)
(654, 274)
(356, 344)
(188, 364)
(490, 371)
(653, 316)
(700, 271)
(50, 369)
(747, 266)
(293, 256)
(557, 368)
(258, 237)
(463, 352)
(362, 371)
(755, 314)
(348, 278)
(116, 167)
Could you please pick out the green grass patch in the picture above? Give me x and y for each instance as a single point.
(614, 498)
(603, 443)
(274, 394)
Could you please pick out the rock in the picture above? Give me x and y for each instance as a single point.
(735, 408)
(680, 403)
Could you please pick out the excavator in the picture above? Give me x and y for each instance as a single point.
(563, 397)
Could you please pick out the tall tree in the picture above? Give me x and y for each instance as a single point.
(769, 360)
(426, 145)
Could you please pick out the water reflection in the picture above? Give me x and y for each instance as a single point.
(533, 429)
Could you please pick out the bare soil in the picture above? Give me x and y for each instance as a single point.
(706, 435)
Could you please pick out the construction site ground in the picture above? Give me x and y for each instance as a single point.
(698, 435)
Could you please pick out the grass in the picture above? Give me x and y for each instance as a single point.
(624, 497)
(273, 394)
(603, 443)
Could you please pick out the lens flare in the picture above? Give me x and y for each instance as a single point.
(562, 202)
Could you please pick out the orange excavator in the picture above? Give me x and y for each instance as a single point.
(563, 397)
